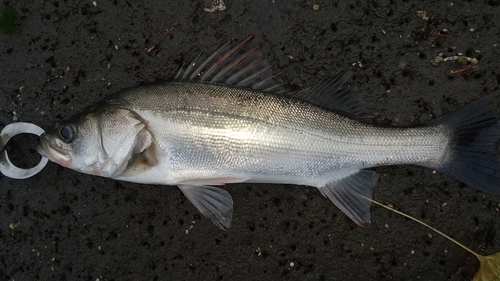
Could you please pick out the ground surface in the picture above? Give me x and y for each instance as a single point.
(66, 55)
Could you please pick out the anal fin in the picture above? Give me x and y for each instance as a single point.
(343, 193)
(213, 202)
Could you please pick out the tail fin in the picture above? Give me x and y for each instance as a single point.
(474, 152)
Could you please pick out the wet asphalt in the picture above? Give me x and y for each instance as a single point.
(66, 55)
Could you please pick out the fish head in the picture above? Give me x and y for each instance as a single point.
(75, 144)
(100, 143)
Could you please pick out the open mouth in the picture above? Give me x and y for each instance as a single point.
(52, 153)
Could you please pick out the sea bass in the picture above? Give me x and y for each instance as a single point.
(224, 119)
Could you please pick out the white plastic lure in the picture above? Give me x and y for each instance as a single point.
(7, 168)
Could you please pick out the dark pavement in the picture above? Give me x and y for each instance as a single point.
(66, 55)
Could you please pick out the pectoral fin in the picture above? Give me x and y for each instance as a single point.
(213, 202)
(343, 193)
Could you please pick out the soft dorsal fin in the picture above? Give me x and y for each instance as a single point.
(332, 94)
(235, 67)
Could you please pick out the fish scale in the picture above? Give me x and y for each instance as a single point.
(327, 134)
(210, 130)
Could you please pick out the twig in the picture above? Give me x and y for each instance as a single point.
(438, 35)
(418, 221)
(461, 70)
(482, 244)
(152, 47)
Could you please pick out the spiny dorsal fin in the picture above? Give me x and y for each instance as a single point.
(330, 93)
(232, 66)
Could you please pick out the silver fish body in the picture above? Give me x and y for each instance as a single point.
(210, 132)
(198, 134)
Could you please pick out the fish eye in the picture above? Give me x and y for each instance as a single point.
(66, 132)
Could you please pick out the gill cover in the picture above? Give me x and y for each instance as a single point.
(125, 138)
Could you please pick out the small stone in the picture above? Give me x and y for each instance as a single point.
(422, 14)
(258, 251)
(435, 61)
(214, 5)
(14, 225)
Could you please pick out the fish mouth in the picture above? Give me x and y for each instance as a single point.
(52, 153)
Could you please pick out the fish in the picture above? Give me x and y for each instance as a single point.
(224, 119)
